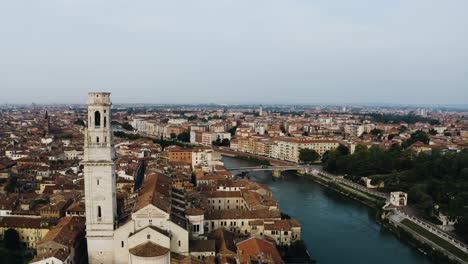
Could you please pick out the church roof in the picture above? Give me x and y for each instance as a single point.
(149, 250)
(156, 190)
(164, 232)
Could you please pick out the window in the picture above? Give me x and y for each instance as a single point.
(99, 211)
(97, 119)
(97, 139)
(122, 244)
(97, 182)
(179, 243)
(105, 121)
(196, 228)
(148, 236)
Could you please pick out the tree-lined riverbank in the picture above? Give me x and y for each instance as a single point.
(336, 229)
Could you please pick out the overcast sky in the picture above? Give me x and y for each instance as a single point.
(236, 51)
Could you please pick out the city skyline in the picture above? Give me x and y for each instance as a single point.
(299, 52)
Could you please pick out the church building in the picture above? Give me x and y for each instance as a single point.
(153, 231)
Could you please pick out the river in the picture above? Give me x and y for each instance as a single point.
(336, 229)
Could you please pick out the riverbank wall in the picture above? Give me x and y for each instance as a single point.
(366, 199)
(404, 233)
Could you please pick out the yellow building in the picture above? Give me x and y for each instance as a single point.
(30, 230)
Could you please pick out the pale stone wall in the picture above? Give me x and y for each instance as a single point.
(225, 203)
(165, 259)
(99, 177)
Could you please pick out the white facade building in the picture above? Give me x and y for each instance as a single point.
(139, 124)
(288, 148)
(151, 233)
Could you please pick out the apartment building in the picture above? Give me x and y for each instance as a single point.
(288, 148)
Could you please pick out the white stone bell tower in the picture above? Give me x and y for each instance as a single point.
(99, 180)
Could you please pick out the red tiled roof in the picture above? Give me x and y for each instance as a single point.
(258, 250)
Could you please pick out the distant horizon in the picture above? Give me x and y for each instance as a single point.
(256, 104)
(231, 52)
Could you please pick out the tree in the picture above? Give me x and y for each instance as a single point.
(173, 135)
(184, 136)
(415, 137)
(433, 132)
(283, 129)
(344, 150)
(376, 131)
(11, 184)
(462, 226)
(122, 134)
(308, 155)
(217, 142)
(225, 142)
(79, 122)
(11, 239)
(127, 126)
(233, 130)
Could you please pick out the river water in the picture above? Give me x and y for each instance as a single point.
(336, 229)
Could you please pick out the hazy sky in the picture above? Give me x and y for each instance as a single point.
(236, 51)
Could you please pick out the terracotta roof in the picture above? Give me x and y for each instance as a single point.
(256, 222)
(254, 199)
(181, 259)
(194, 211)
(224, 241)
(202, 246)
(60, 254)
(305, 140)
(258, 250)
(68, 230)
(157, 229)
(284, 225)
(8, 202)
(22, 222)
(223, 194)
(156, 190)
(242, 214)
(149, 250)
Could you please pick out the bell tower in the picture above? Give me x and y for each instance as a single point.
(99, 180)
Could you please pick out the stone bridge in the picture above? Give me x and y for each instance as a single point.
(301, 169)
